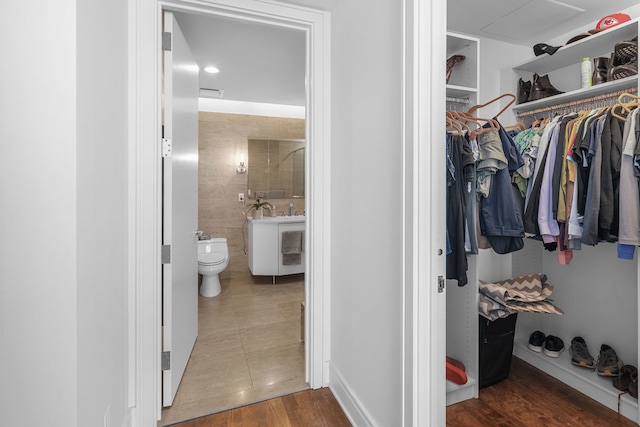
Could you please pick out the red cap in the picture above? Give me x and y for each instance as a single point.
(611, 21)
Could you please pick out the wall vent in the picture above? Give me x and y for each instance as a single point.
(211, 93)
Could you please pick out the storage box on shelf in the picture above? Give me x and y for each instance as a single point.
(563, 67)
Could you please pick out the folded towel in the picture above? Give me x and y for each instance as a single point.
(292, 244)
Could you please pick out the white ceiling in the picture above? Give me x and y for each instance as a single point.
(527, 22)
(262, 63)
(257, 62)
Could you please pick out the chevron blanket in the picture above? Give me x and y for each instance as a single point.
(524, 293)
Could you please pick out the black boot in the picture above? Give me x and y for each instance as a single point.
(537, 92)
(524, 89)
(600, 70)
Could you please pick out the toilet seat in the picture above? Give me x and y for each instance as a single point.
(211, 258)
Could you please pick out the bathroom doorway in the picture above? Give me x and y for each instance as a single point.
(294, 288)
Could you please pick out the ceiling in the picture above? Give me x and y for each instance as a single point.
(266, 64)
(257, 62)
(527, 22)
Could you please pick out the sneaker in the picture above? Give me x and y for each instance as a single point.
(608, 363)
(536, 341)
(580, 355)
(623, 381)
(553, 346)
(633, 384)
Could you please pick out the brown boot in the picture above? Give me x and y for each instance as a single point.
(548, 87)
(600, 70)
(542, 88)
(537, 91)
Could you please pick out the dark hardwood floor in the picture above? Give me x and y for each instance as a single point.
(305, 408)
(530, 397)
(527, 398)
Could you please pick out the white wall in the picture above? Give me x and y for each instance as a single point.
(366, 188)
(38, 281)
(101, 211)
(62, 191)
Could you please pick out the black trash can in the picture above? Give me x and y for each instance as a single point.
(496, 348)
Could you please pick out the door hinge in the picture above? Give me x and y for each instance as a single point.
(166, 360)
(166, 147)
(166, 41)
(165, 254)
(441, 283)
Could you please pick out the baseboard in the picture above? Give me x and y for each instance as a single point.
(352, 407)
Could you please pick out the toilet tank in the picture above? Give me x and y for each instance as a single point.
(215, 244)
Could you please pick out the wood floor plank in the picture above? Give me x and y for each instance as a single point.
(531, 398)
(308, 408)
(528, 398)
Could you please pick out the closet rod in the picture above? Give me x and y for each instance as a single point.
(457, 100)
(607, 96)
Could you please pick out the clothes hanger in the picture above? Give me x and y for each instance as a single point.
(463, 119)
(624, 107)
(623, 112)
(493, 125)
(457, 125)
(629, 105)
(453, 126)
(513, 99)
(518, 126)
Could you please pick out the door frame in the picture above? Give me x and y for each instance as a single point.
(144, 186)
(424, 402)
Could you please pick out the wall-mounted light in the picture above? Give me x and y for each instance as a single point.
(241, 167)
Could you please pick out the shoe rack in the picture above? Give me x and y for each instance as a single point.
(597, 292)
(563, 67)
(462, 302)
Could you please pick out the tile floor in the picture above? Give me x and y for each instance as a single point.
(248, 349)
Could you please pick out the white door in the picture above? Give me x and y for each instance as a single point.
(180, 208)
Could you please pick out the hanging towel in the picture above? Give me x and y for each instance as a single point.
(292, 244)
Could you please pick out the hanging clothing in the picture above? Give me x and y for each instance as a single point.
(629, 230)
(500, 218)
(460, 175)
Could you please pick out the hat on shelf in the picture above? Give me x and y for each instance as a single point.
(610, 21)
(542, 48)
(605, 23)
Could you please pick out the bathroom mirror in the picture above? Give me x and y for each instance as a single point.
(275, 168)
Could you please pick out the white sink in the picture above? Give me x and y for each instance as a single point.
(288, 219)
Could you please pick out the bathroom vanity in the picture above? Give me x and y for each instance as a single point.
(265, 245)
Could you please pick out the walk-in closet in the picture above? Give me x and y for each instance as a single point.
(492, 66)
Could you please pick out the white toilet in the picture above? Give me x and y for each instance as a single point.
(213, 258)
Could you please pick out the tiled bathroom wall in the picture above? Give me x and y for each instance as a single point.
(222, 142)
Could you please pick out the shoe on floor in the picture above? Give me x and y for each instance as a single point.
(623, 381)
(633, 384)
(608, 363)
(456, 371)
(580, 355)
(553, 346)
(536, 341)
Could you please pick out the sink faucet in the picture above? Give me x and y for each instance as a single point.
(290, 207)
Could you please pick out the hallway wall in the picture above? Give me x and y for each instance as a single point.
(38, 194)
(63, 250)
(366, 201)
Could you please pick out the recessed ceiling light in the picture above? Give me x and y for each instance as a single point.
(212, 70)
